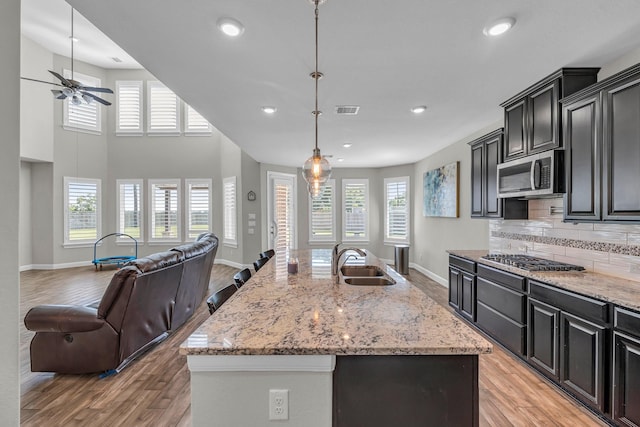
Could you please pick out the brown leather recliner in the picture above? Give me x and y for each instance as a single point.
(145, 301)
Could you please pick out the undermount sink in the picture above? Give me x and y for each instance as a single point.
(369, 281)
(361, 270)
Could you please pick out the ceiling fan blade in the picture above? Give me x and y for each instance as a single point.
(96, 89)
(64, 81)
(58, 94)
(40, 81)
(96, 98)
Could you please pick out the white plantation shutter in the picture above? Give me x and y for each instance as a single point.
(129, 104)
(355, 209)
(322, 224)
(165, 210)
(230, 237)
(82, 210)
(396, 210)
(163, 108)
(198, 207)
(284, 212)
(85, 116)
(130, 211)
(194, 122)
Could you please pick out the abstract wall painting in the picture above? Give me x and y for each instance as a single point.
(441, 191)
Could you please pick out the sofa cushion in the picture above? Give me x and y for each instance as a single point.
(157, 261)
(203, 244)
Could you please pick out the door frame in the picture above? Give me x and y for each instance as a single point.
(271, 176)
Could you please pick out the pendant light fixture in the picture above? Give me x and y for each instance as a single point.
(316, 170)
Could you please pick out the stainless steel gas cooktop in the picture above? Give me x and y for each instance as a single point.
(531, 263)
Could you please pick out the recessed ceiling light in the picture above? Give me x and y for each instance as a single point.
(340, 159)
(419, 109)
(267, 109)
(347, 145)
(74, 39)
(498, 27)
(230, 27)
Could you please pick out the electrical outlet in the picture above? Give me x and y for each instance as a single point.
(278, 404)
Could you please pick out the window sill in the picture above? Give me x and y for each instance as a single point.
(321, 242)
(68, 245)
(82, 130)
(123, 133)
(230, 244)
(207, 133)
(356, 241)
(398, 242)
(163, 242)
(168, 133)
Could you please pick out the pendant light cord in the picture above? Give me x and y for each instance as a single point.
(72, 43)
(316, 77)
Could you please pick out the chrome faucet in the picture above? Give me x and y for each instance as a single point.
(334, 257)
(334, 261)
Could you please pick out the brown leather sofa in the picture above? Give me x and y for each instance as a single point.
(145, 301)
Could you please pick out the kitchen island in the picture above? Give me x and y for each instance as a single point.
(346, 354)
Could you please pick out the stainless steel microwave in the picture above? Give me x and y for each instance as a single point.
(537, 175)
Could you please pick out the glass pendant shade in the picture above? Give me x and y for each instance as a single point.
(316, 170)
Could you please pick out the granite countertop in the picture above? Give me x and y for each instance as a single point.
(276, 313)
(622, 292)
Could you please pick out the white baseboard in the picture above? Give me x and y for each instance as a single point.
(89, 263)
(231, 264)
(430, 274)
(55, 266)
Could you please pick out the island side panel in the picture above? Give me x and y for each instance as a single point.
(406, 391)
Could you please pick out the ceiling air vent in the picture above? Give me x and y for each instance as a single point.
(350, 110)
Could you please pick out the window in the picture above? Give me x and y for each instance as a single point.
(230, 213)
(81, 211)
(163, 109)
(85, 117)
(129, 104)
(165, 210)
(195, 124)
(355, 210)
(130, 212)
(396, 210)
(198, 207)
(322, 219)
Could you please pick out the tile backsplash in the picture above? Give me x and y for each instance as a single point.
(612, 249)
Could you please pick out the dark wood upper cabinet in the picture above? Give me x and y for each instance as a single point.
(582, 158)
(621, 148)
(602, 136)
(532, 120)
(486, 154)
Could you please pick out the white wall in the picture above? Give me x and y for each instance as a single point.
(433, 236)
(9, 214)
(36, 108)
(25, 232)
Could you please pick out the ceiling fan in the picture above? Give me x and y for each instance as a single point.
(73, 89)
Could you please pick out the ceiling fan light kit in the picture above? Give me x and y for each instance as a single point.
(73, 89)
(316, 170)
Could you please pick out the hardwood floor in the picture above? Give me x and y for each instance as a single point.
(155, 389)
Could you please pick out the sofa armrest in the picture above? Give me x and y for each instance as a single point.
(62, 318)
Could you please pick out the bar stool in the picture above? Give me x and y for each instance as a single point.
(268, 254)
(257, 265)
(216, 300)
(241, 277)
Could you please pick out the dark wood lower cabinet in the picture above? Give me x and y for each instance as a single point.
(454, 287)
(583, 360)
(462, 287)
(626, 373)
(407, 391)
(543, 337)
